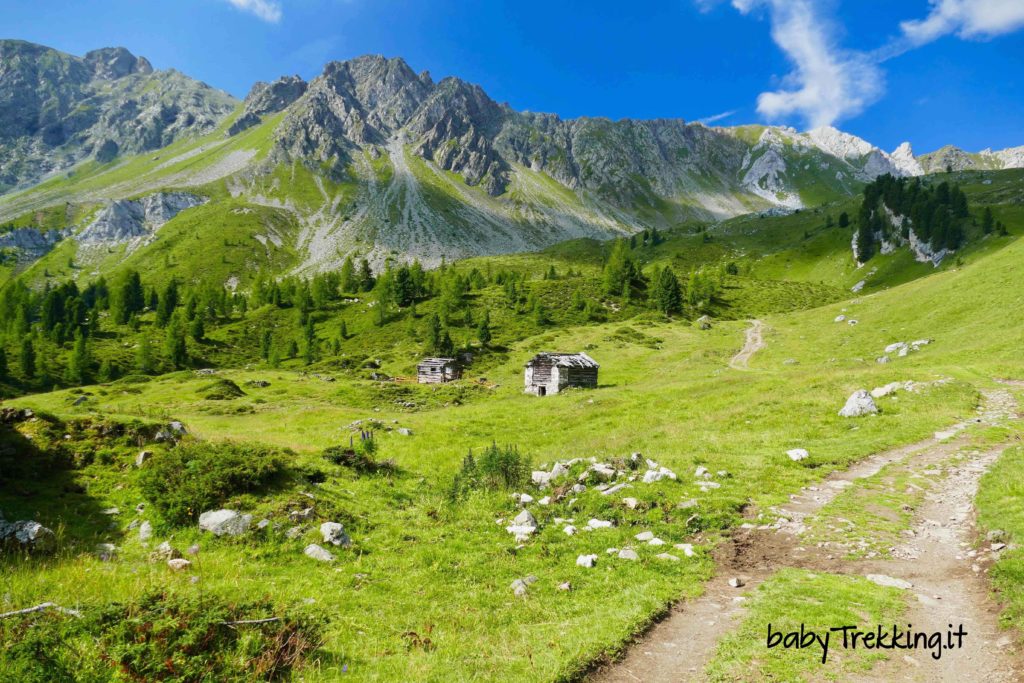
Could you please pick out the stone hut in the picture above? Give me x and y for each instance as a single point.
(437, 370)
(549, 373)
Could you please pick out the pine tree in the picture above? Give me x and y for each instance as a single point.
(266, 339)
(175, 346)
(144, 357)
(349, 284)
(987, 220)
(446, 348)
(168, 302)
(434, 333)
(196, 329)
(483, 330)
(107, 371)
(844, 220)
(79, 365)
(344, 330)
(4, 370)
(366, 280)
(667, 294)
(27, 358)
(310, 342)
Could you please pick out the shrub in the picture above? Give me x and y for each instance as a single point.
(183, 482)
(359, 457)
(221, 390)
(497, 468)
(160, 637)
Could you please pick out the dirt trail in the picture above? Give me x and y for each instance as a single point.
(754, 343)
(935, 560)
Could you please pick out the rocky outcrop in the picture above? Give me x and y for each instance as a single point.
(128, 220)
(57, 109)
(225, 522)
(27, 535)
(268, 98)
(30, 243)
(860, 403)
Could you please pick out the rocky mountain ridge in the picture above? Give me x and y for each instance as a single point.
(373, 157)
(57, 110)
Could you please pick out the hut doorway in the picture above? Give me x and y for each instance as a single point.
(542, 391)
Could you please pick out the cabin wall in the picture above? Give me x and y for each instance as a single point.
(538, 376)
(580, 377)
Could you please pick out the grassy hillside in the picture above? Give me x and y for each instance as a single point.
(408, 599)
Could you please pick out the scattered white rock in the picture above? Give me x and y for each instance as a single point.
(628, 554)
(798, 454)
(334, 533)
(599, 524)
(106, 551)
(655, 541)
(178, 564)
(587, 561)
(839, 318)
(860, 403)
(318, 553)
(631, 503)
(145, 531)
(142, 457)
(569, 530)
(644, 536)
(565, 586)
(224, 522)
(667, 556)
(687, 549)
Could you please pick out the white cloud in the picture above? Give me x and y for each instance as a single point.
(827, 83)
(717, 117)
(267, 10)
(966, 18)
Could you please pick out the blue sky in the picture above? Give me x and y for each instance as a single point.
(929, 71)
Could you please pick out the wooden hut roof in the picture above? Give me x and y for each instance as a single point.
(436, 362)
(564, 360)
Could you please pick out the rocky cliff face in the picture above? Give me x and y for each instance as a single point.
(956, 159)
(268, 98)
(57, 109)
(126, 221)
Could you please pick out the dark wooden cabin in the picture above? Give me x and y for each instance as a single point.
(437, 370)
(549, 373)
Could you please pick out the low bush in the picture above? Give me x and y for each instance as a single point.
(184, 481)
(160, 637)
(498, 468)
(221, 390)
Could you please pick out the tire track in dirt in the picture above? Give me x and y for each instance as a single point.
(679, 647)
(753, 343)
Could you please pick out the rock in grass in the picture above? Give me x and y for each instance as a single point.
(303, 515)
(599, 524)
(565, 586)
(628, 554)
(404, 431)
(655, 541)
(569, 530)
(797, 454)
(644, 536)
(165, 551)
(519, 586)
(737, 582)
(687, 549)
(178, 564)
(224, 522)
(27, 535)
(106, 551)
(586, 561)
(145, 531)
(888, 581)
(860, 403)
(631, 503)
(667, 557)
(334, 533)
(142, 457)
(318, 553)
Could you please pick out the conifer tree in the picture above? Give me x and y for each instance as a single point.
(483, 330)
(667, 294)
(27, 358)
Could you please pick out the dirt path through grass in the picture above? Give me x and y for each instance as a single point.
(948, 584)
(754, 342)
